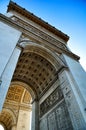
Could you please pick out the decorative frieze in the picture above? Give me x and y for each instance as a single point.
(50, 101)
(39, 33)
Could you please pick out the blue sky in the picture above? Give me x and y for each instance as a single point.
(69, 16)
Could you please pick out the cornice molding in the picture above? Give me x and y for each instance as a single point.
(47, 42)
(14, 7)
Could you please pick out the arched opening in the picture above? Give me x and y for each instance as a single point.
(36, 70)
(35, 73)
(18, 101)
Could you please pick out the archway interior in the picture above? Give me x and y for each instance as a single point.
(36, 71)
(17, 108)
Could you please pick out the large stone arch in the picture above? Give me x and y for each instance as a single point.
(52, 57)
(37, 58)
(46, 69)
(37, 70)
(33, 46)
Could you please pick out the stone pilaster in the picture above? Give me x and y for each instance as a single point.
(9, 37)
(7, 75)
(73, 101)
(35, 115)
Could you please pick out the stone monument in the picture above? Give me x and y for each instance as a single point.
(38, 75)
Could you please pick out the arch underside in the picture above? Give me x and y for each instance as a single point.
(37, 68)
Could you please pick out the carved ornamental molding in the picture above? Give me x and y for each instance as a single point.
(39, 33)
(47, 40)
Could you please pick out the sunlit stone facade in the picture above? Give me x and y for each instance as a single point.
(42, 84)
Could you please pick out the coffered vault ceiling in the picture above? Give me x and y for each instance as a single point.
(36, 71)
(17, 98)
(18, 94)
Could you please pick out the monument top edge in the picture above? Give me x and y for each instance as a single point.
(15, 7)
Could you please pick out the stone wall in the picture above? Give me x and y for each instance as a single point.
(57, 119)
(24, 120)
(54, 114)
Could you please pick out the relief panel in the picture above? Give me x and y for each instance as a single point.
(50, 101)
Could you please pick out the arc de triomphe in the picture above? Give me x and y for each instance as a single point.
(38, 73)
